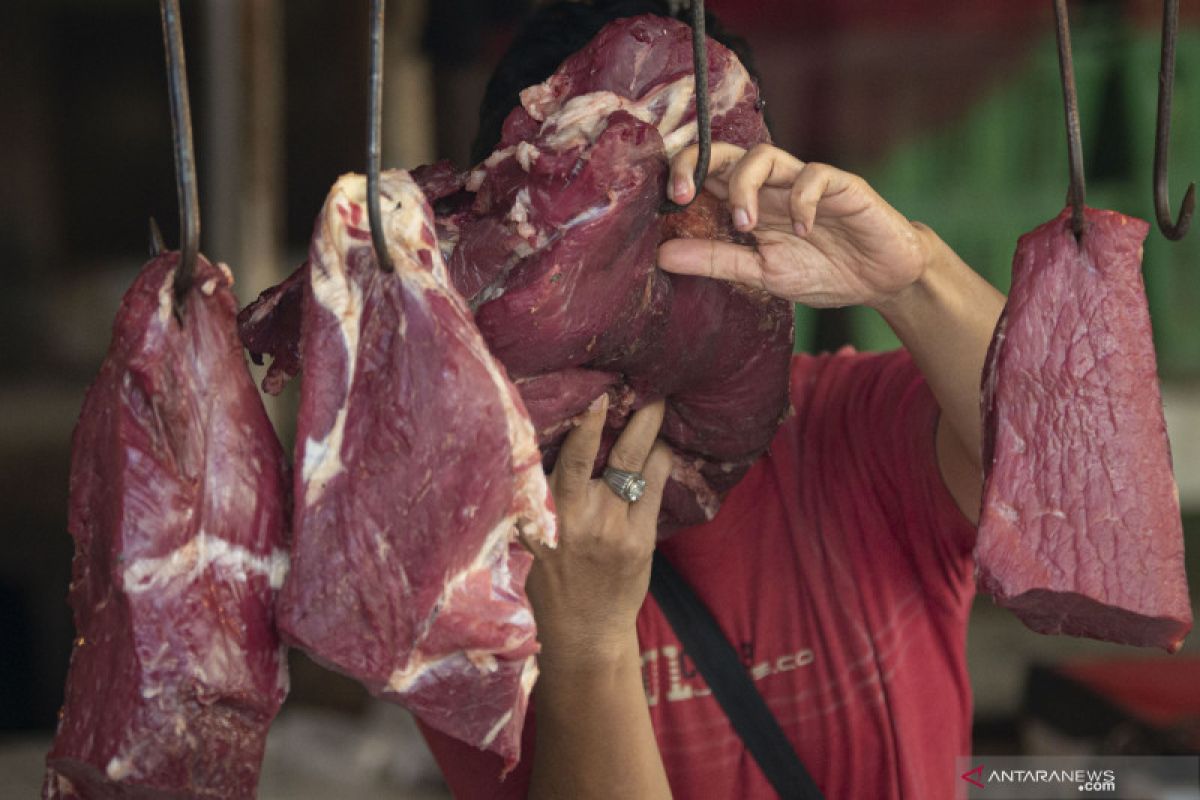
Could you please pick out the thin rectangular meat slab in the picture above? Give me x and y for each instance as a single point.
(1080, 531)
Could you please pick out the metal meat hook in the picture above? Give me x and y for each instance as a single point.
(374, 135)
(1162, 133)
(185, 154)
(1066, 69)
(703, 113)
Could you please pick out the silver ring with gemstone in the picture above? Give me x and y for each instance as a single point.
(629, 486)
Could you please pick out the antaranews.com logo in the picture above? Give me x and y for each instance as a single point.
(1054, 777)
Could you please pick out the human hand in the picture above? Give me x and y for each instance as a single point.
(586, 592)
(825, 237)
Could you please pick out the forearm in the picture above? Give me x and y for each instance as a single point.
(594, 737)
(946, 320)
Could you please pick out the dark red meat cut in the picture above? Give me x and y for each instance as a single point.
(416, 465)
(179, 491)
(1080, 531)
(558, 257)
(552, 241)
(271, 324)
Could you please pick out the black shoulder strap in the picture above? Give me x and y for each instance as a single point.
(726, 676)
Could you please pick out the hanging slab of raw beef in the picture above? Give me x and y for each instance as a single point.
(179, 495)
(1080, 531)
(552, 240)
(557, 255)
(416, 466)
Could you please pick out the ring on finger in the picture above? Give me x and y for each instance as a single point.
(629, 486)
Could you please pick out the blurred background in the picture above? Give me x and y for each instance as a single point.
(952, 109)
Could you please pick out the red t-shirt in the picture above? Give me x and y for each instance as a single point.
(841, 568)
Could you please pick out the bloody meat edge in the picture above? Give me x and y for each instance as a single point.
(178, 507)
(1080, 531)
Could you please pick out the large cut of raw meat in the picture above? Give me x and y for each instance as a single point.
(552, 241)
(179, 497)
(416, 466)
(1080, 531)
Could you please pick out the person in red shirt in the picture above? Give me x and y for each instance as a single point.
(840, 566)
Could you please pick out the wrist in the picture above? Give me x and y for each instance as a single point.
(588, 654)
(933, 263)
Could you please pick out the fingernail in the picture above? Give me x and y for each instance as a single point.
(680, 187)
(741, 219)
(799, 228)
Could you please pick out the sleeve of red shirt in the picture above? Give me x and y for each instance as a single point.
(874, 414)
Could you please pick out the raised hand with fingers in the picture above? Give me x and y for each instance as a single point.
(594, 736)
(586, 592)
(825, 237)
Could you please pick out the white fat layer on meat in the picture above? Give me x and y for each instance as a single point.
(189, 561)
(722, 98)
(527, 154)
(166, 297)
(489, 293)
(118, 769)
(529, 675)
(519, 213)
(323, 457)
(475, 177)
(583, 117)
(494, 159)
(492, 558)
(678, 98)
(334, 291)
(495, 731)
(687, 474)
(483, 660)
(539, 100)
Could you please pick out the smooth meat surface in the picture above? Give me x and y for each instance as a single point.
(1080, 531)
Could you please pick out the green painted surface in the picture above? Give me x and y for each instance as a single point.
(1001, 171)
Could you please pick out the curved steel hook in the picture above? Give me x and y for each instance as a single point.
(185, 153)
(703, 113)
(1173, 230)
(1066, 67)
(374, 135)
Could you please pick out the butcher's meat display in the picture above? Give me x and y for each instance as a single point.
(179, 497)
(416, 466)
(552, 242)
(1080, 531)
